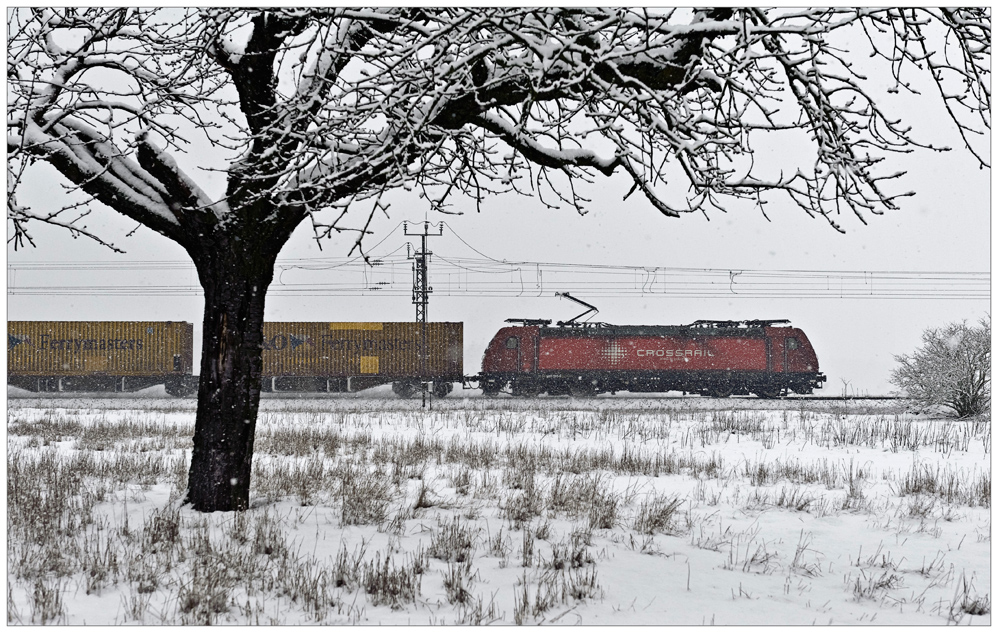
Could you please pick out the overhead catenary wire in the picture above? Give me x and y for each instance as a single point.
(483, 278)
(389, 274)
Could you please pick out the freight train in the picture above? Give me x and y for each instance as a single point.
(710, 358)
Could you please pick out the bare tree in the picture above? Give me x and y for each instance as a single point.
(952, 369)
(316, 113)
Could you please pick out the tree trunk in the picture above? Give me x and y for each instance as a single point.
(235, 277)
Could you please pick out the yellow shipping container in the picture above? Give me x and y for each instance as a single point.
(99, 348)
(384, 350)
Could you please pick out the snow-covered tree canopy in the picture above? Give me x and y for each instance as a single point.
(319, 108)
(952, 369)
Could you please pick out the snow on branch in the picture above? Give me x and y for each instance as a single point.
(97, 168)
(952, 369)
(320, 108)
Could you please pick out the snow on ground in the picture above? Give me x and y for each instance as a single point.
(611, 510)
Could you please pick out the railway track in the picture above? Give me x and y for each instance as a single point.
(796, 397)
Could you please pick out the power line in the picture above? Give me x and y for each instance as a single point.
(390, 274)
(540, 280)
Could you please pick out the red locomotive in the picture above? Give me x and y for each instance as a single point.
(712, 358)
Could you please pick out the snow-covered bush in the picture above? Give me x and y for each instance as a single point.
(952, 369)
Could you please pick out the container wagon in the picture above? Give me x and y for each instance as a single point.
(711, 358)
(100, 355)
(336, 357)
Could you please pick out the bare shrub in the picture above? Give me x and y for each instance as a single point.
(800, 564)
(570, 554)
(365, 496)
(794, 498)
(346, 571)
(874, 587)
(967, 601)
(527, 548)
(206, 594)
(268, 538)
(390, 585)
(604, 506)
(499, 544)
(453, 542)
(458, 581)
(98, 561)
(658, 515)
(588, 496)
(522, 506)
(425, 497)
(952, 485)
(46, 601)
(474, 613)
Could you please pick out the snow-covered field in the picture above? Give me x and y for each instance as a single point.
(612, 510)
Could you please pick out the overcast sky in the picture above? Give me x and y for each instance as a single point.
(944, 227)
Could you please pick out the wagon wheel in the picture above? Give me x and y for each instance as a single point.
(558, 389)
(582, 390)
(441, 389)
(404, 388)
(178, 389)
(769, 393)
(491, 387)
(525, 388)
(721, 390)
